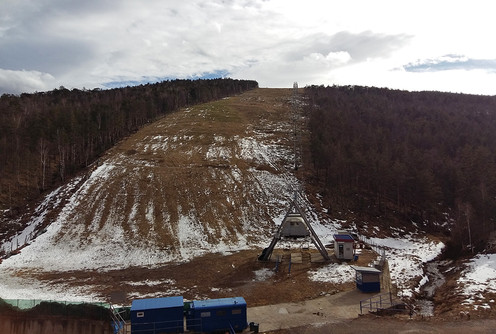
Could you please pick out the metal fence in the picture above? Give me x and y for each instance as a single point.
(379, 249)
(385, 301)
(25, 304)
(34, 307)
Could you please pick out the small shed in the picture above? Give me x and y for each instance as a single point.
(344, 246)
(367, 279)
(157, 315)
(214, 315)
(294, 226)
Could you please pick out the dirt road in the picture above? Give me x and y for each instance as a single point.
(340, 313)
(324, 310)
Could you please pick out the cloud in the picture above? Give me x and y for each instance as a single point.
(451, 62)
(109, 43)
(16, 82)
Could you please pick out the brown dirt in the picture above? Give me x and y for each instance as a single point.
(211, 276)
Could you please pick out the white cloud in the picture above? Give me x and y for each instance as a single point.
(16, 82)
(90, 43)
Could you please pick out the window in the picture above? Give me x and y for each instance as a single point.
(220, 313)
(358, 277)
(236, 311)
(140, 314)
(205, 314)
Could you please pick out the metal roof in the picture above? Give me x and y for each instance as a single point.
(366, 269)
(156, 303)
(343, 237)
(217, 303)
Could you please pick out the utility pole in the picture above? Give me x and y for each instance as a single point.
(467, 217)
(296, 128)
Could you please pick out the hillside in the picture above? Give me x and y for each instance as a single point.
(185, 205)
(46, 138)
(210, 178)
(206, 176)
(408, 157)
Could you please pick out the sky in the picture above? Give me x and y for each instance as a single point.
(413, 45)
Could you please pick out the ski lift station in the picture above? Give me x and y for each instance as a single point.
(294, 227)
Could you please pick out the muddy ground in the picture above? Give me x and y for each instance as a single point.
(211, 276)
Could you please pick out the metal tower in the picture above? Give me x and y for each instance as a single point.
(294, 211)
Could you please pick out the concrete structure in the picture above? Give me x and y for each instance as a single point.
(344, 246)
(157, 315)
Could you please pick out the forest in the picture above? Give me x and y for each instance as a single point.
(421, 157)
(47, 137)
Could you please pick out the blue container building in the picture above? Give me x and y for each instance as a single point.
(368, 279)
(215, 315)
(157, 315)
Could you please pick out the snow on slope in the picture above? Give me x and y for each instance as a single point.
(406, 257)
(107, 247)
(478, 278)
(168, 194)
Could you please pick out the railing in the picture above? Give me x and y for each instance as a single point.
(377, 302)
(383, 301)
(118, 322)
(379, 249)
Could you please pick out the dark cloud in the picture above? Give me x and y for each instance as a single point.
(451, 62)
(45, 55)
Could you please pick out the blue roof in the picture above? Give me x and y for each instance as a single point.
(217, 303)
(156, 303)
(343, 237)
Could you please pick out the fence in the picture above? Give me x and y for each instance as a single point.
(379, 249)
(35, 307)
(173, 326)
(383, 301)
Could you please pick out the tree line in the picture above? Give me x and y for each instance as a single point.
(421, 156)
(47, 137)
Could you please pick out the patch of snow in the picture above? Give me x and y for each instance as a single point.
(147, 282)
(478, 277)
(263, 274)
(406, 258)
(333, 273)
(422, 282)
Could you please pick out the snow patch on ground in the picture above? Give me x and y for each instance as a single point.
(477, 278)
(333, 273)
(406, 258)
(263, 274)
